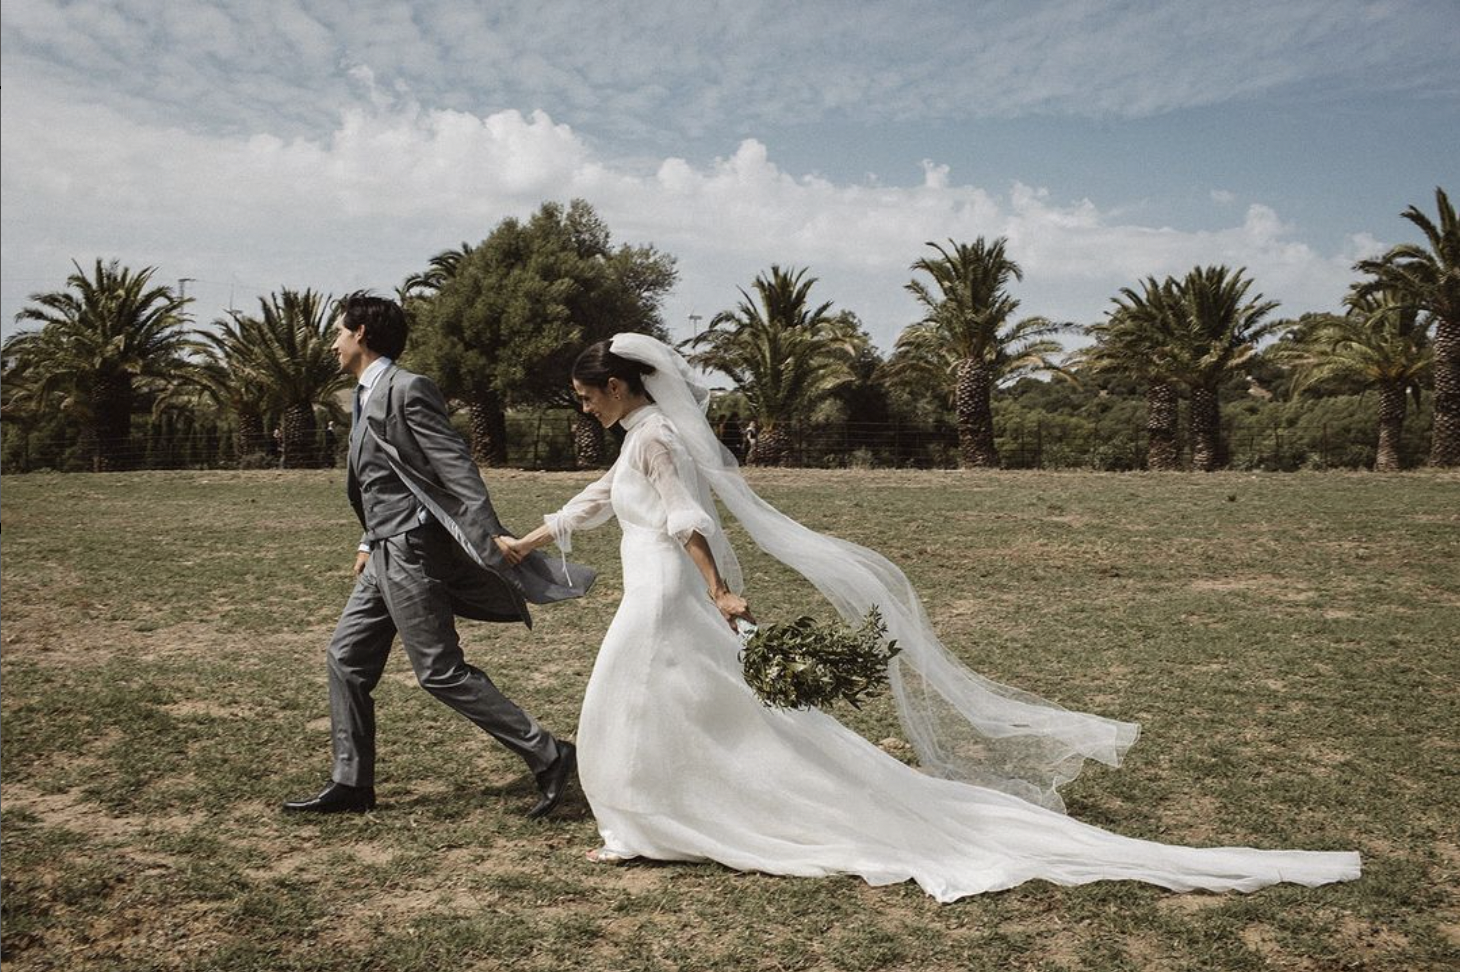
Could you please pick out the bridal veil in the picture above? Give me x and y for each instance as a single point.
(962, 726)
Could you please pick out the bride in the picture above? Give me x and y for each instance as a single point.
(680, 760)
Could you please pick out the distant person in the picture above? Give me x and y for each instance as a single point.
(752, 437)
(430, 552)
(331, 443)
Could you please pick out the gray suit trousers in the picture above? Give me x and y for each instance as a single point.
(405, 588)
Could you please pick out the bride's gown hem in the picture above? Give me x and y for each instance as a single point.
(680, 761)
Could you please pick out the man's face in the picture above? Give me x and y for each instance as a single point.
(349, 348)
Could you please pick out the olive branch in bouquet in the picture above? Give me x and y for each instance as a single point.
(806, 663)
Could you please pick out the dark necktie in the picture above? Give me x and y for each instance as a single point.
(357, 428)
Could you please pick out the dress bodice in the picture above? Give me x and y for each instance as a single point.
(652, 486)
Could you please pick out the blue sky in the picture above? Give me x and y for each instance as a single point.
(318, 143)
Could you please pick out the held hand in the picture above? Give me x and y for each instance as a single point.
(732, 606)
(362, 557)
(513, 550)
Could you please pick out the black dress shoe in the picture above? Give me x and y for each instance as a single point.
(336, 798)
(553, 781)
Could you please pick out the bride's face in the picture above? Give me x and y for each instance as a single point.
(608, 404)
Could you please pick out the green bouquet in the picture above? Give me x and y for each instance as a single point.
(806, 663)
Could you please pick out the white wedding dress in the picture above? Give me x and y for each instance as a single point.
(680, 760)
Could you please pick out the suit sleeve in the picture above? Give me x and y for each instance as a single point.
(444, 448)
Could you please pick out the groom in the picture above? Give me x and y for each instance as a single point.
(430, 551)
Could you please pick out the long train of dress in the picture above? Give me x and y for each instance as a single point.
(680, 761)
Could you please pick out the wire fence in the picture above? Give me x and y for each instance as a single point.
(543, 439)
(1251, 445)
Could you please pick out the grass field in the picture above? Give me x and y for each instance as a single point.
(1290, 644)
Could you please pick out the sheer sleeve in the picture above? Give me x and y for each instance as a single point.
(590, 508)
(672, 473)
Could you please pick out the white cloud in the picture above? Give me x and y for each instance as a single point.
(393, 183)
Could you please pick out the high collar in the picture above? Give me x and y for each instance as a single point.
(638, 415)
(372, 373)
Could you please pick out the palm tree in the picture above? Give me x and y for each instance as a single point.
(1215, 330)
(1380, 343)
(229, 375)
(967, 332)
(279, 362)
(441, 269)
(785, 354)
(1134, 342)
(1429, 279)
(103, 342)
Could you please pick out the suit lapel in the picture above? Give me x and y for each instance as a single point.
(376, 408)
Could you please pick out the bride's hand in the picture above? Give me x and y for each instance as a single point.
(732, 606)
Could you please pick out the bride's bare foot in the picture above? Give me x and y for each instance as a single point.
(605, 856)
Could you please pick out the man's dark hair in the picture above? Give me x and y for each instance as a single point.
(383, 320)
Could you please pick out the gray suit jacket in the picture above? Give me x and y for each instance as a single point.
(406, 420)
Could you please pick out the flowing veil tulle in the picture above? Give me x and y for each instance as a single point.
(963, 726)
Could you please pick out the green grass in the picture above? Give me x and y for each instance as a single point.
(1290, 645)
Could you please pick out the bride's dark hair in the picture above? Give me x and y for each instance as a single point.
(596, 364)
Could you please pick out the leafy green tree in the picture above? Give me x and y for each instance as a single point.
(968, 335)
(783, 352)
(617, 289)
(107, 342)
(1215, 330)
(504, 325)
(1134, 342)
(1381, 343)
(1429, 279)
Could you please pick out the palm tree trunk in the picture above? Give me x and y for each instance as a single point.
(1206, 430)
(250, 436)
(111, 423)
(299, 432)
(1162, 405)
(588, 444)
(975, 416)
(488, 428)
(772, 447)
(1445, 440)
(1391, 426)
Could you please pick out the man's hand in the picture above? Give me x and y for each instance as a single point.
(362, 557)
(514, 551)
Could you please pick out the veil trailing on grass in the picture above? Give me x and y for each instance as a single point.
(963, 726)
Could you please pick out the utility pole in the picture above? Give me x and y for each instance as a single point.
(694, 324)
(182, 286)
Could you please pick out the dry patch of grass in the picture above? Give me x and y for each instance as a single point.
(1288, 642)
